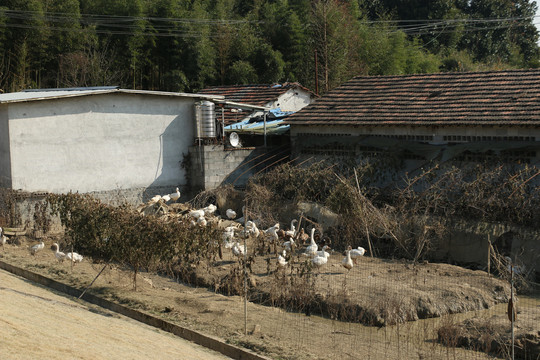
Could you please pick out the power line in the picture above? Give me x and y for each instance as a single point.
(173, 27)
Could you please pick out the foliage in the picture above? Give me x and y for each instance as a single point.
(413, 216)
(186, 46)
(122, 235)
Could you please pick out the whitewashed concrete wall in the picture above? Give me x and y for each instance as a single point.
(99, 142)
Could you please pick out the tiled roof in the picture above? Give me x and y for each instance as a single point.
(477, 98)
(257, 94)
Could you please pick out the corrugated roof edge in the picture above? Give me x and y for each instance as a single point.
(25, 96)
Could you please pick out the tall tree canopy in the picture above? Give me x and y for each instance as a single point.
(175, 45)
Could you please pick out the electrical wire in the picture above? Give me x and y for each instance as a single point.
(182, 27)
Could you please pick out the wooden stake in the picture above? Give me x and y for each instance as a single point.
(88, 287)
(367, 230)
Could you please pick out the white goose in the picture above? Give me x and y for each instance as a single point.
(288, 245)
(228, 233)
(210, 209)
(292, 231)
(73, 256)
(356, 253)
(231, 214)
(201, 221)
(281, 259)
(238, 250)
(323, 251)
(319, 260)
(272, 232)
(347, 261)
(312, 248)
(166, 198)
(155, 198)
(60, 256)
(3, 238)
(252, 228)
(34, 249)
(196, 213)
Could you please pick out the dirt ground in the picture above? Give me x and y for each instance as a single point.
(414, 292)
(36, 322)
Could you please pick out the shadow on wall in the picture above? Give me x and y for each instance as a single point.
(168, 172)
(259, 161)
(211, 165)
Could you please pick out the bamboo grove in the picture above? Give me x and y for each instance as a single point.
(188, 45)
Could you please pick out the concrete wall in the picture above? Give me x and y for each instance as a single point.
(437, 132)
(213, 165)
(5, 156)
(467, 242)
(100, 143)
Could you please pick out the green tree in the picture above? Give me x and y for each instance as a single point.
(121, 24)
(23, 44)
(241, 72)
(334, 37)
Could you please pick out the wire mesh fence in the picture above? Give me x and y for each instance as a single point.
(317, 263)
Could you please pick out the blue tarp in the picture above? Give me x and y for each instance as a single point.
(255, 125)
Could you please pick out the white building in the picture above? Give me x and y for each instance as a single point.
(101, 140)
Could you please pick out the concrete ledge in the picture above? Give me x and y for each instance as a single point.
(207, 341)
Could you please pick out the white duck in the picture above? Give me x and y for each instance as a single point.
(312, 248)
(34, 249)
(3, 239)
(166, 198)
(75, 257)
(175, 195)
(60, 256)
(281, 259)
(231, 214)
(356, 253)
(347, 261)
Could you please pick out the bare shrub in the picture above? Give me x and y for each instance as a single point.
(9, 213)
(122, 235)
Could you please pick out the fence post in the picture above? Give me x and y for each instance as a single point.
(245, 268)
(489, 256)
(512, 307)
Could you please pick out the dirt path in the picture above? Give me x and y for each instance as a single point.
(38, 323)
